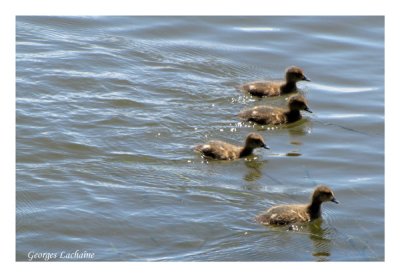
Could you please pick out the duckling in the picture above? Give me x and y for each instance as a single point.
(220, 150)
(287, 214)
(293, 75)
(273, 115)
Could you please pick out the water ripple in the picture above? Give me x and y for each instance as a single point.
(342, 89)
(257, 29)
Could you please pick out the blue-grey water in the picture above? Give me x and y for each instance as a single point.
(109, 108)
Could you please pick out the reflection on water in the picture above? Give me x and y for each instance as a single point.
(320, 239)
(293, 154)
(301, 128)
(255, 170)
(318, 234)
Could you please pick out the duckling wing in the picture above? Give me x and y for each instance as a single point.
(262, 115)
(282, 215)
(217, 150)
(260, 89)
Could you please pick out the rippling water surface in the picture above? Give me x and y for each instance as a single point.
(109, 108)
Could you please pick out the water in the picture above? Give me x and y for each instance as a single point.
(108, 109)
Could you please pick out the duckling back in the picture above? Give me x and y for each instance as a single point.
(260, 89)
(284, 214)
(264, 115)
(218, 150)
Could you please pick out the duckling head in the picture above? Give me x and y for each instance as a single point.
(324, 194)
(254, 140)
(295, 74)
(298, 102)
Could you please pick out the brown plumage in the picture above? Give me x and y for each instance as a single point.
(293, 75)
(287, 214)
(274, 115)
(220, 150)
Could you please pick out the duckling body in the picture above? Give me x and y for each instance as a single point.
(299, 213)
(273, 115)
(293, 75)
(220, 150)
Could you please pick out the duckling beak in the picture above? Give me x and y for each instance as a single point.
(334, 200)
(307, 109)
(265, 146)
(306, 79)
